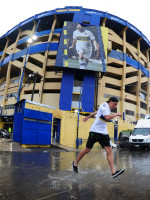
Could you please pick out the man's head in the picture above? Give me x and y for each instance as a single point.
(79, 28)
(112, 102)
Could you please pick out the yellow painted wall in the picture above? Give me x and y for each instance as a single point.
(56, 113)
(110, 128)
(51, 99)
(68, 131)
(124, 126)
(1, 123)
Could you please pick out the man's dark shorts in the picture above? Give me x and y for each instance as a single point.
(104, 140)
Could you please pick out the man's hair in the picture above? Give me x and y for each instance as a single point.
(113, 99)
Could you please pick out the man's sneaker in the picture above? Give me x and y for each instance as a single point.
(75, 168)
(117, 173)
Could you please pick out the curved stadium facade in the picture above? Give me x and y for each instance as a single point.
(126, 73)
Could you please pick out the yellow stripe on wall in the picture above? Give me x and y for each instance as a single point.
(65, 10)
(65, 52)
(65, 23)
(74, 10)
(104, 32)
(66, 63)
(65, 41)
(65, 32)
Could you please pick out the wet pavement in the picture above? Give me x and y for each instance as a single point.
(43, 174)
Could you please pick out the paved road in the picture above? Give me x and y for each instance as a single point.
(43, 174)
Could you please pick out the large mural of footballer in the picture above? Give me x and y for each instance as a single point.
(82, 47)
(82, 41)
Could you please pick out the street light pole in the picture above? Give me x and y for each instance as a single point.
(35, 79)
(77, 140)
(27, 55)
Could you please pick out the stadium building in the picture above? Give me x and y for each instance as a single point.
(40, 63)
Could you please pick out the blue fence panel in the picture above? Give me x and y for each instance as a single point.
(132, 62)
(53, 46)
(144, 70)
(7, 59)
(23, 40)
(30, 124)
(117, 55)
(44, 137)
(1, 53)
(38, 48)
(19, 54)
(34, 114)
(29, 136)
(44, 126)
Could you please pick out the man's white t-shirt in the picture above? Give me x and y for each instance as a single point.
(83, 38)
(100, 125)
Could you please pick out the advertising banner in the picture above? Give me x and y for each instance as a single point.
(83, 47)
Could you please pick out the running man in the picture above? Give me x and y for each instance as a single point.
(82, 40)
(99, 133)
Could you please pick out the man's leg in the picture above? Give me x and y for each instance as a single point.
(82, 62)
(110, 159)
(81, 154)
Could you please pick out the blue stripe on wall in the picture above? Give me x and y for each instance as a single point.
(34, 49)
(130, 61)
(88, 91)
(116, 54)
(66, 90)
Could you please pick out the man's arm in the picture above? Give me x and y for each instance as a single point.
(73, 44)
(109, 117)
(91, 115)
(95, 45)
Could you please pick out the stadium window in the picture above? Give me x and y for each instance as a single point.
(142, 116)
(143, 105)
(129, 112)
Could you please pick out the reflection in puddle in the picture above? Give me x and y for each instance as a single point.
(47, 174)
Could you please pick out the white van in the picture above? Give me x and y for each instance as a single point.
(140, 137)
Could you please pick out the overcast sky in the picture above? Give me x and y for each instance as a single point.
(136, 12)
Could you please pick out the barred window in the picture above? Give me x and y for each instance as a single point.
(143, 96)
(15, 94)
(143, 105)
(129, 112)
(11, 106)
(3, 84)
(15, 81)
(142, 116)
(1, 97)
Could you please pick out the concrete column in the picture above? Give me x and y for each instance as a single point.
(24, 60)
(148, 86)
(104, 22)
(4, 52)
(123, 82)
(138, 88)
(45, 60)
(9, 71)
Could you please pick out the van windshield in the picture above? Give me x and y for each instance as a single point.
(141, 131)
